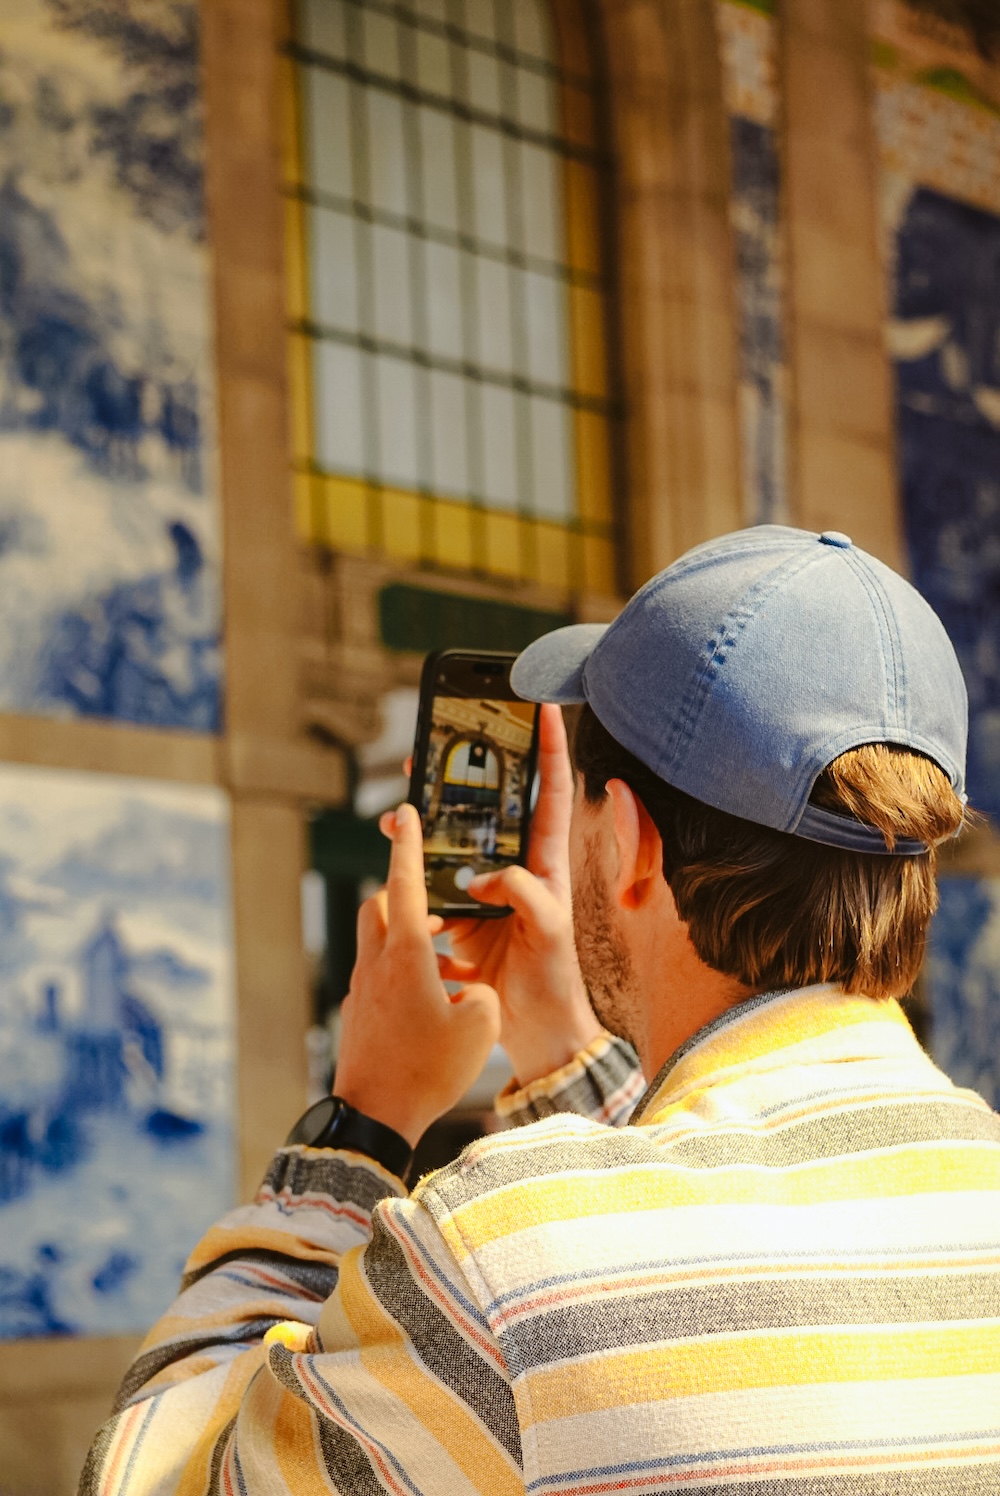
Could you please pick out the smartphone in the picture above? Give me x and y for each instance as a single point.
(473, 774)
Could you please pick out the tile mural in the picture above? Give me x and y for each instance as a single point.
(939, 136)
(109, 545)
(116, 1045)
(938, 130)
(962, 977)
(748, 35)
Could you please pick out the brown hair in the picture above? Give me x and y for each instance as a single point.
(775, 910)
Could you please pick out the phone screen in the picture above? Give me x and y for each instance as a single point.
(478, 761)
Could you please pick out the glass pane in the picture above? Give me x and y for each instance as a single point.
(381, 43)
(433, 63)
(386, 153)
(437, 140)
(444, 300)
(333, 269)
(321, 26)
(590, 362)
(499, 446)
(531, 29)
(536, 101)
(542, 202)
(390, 263)
(449, 456)
(551, 450)
(493, 315)
(488, 186)
(480, 19)
(545, 298)
(483, 85)
(502, 539)
(327, 132)
(338, 415)
(397, 422)
(593, 465)
(582, 216)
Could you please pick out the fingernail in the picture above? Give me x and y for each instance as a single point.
(402, 813)
(480, 880)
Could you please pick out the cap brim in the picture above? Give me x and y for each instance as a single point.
(552, 668)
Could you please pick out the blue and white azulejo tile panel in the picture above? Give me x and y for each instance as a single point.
(116, 1045)
(962, 977)
(109, 526)
(939, 138)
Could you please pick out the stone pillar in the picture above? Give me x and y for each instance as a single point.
(269, 766)
(843, 448)
(676, 286)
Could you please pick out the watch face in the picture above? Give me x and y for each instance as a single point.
(314, 1128)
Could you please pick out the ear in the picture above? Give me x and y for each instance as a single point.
(639, 848)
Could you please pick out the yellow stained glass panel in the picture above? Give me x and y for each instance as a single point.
(345, 513)
(590, 359)
(453, 544)
(291, 156)
(295, 259)
(582, 224)
(503, 542)
(593, 465)
(599, 565)
(401, 527)
(305, 520)
(300, 392)
(552, 560)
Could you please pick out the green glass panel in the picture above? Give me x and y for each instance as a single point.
(341, 845)
(417, 620)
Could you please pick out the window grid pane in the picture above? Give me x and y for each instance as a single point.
(448, 179)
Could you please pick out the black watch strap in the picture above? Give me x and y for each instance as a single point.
(333, 1123)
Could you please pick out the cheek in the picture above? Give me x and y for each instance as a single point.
(577, 843)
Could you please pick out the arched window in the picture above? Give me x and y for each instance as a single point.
(448, 287)
(472, 763)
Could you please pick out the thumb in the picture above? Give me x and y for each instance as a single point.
(526, 894)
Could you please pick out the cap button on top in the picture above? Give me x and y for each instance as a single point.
(836, 537)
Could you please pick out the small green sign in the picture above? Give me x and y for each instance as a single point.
(416, 620)
(343, 846)
(957, 86)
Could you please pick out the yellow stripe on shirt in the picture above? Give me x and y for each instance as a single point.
(387, 1357)
(724, 1363)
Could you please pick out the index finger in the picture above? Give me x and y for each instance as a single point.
(406, 892)
(551, 816)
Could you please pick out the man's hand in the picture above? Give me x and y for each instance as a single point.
(408, 1051)
(530, 957)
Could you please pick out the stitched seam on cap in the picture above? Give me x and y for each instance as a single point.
(724, 640)
(899, 704)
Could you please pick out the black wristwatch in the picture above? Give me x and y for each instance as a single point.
(333, 1123)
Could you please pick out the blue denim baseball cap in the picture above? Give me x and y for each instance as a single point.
(745, 668)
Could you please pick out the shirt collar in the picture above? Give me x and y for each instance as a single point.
(758, 1033)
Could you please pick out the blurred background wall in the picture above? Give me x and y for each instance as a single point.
(334, 331)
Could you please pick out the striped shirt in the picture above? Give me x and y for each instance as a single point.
(782, 1279)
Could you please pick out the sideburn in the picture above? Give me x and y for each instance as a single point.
(608, 973)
